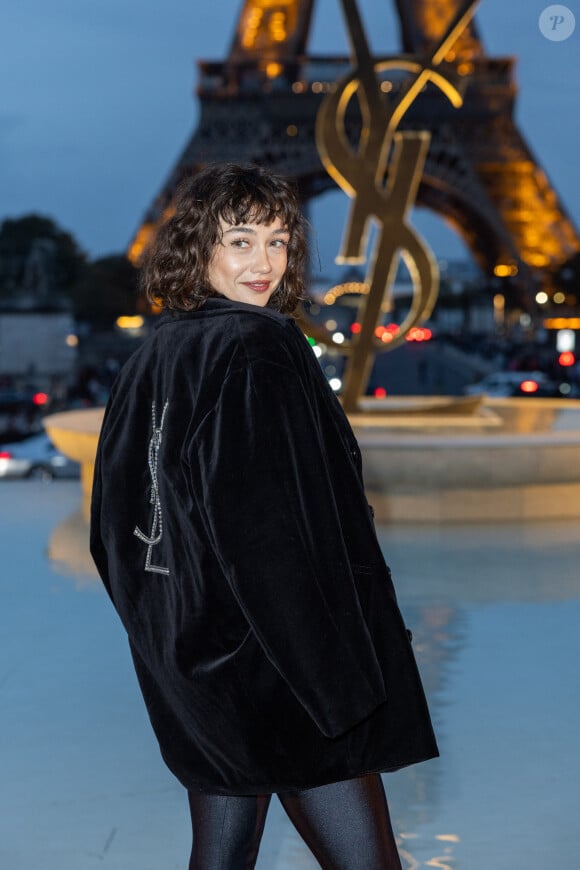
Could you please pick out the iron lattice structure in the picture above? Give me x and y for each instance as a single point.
(260, 105)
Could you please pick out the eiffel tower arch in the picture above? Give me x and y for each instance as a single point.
(260, 105)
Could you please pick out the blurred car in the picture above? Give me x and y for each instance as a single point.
(35, 457)
(514, 384)
(21, 412)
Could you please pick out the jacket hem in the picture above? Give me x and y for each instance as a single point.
(290, 789)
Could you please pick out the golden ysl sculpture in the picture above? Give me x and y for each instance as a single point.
(383, 152)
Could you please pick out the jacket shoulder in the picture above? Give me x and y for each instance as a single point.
(205, 348)
(267, 337)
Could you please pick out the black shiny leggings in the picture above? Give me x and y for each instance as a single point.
(345, 825)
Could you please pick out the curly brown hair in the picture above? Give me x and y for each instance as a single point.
(175, 272)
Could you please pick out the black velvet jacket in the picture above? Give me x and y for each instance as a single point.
(231, 530)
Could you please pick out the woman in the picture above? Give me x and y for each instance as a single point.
(231, 530)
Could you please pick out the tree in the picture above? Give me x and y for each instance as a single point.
(41, 265)
(107, 290)
(39, 262)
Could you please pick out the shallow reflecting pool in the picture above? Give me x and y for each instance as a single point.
(495, 613)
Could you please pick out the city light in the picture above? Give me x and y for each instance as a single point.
(562, 323)
(541, 297)
(565, 340)
(503, 270)
(529, 386)
(335, 384)
(273, 70)
(349, 287)
(130, 321)
(566, 358)
(499, 308)
(418, 333)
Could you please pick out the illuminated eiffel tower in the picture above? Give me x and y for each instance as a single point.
(260, 105)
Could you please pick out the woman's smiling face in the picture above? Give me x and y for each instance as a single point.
(249, 261)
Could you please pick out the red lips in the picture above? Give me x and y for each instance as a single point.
(258, 286)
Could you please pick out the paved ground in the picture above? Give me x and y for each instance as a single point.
(495, 613)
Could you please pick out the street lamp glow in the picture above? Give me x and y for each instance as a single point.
(130, 322)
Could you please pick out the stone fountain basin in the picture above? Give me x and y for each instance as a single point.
(510, 460)
(435, 459)
(76, 434)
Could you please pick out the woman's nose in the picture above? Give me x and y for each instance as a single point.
(262, 260)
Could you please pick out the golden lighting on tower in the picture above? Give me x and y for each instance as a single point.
(267, 23)
(434, 18)
(145, 236)
(544, 236)
(141, 242)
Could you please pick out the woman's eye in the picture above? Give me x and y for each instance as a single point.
(239, 243)
(280, 243)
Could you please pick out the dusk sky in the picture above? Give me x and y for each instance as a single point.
(97, 103)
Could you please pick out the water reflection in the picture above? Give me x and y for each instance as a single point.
(491, 609)
(68, 550)
(465, 564)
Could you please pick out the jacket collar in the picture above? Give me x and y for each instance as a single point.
(218, 304)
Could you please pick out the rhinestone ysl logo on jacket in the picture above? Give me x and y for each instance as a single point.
(156, 533)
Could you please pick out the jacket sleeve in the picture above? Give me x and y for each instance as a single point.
(96, 545)
(260, 477)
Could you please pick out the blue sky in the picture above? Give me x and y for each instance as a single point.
(97, 103)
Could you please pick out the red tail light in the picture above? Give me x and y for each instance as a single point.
(5, 454)
(567, 358)
(529, 386)
(40, 398)
(418, 333)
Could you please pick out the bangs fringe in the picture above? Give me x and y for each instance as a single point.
(253, 210)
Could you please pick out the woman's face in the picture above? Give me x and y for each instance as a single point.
(250, 260)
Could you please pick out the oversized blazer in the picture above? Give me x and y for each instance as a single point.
(231, 530)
